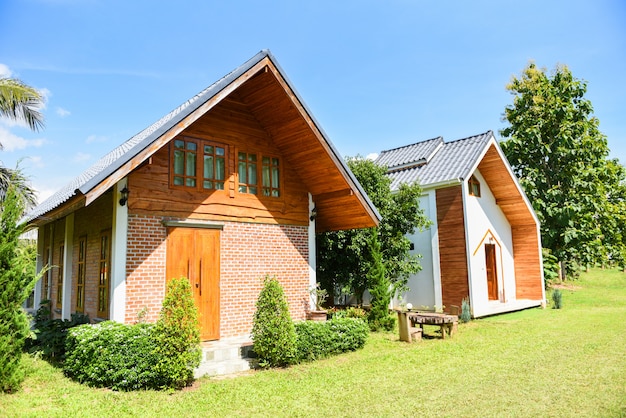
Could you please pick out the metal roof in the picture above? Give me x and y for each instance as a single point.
(115, 159)
(434, 161)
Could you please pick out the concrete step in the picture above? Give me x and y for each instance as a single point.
(226, 356)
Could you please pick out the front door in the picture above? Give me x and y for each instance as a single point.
(492, 272)
(194, 253)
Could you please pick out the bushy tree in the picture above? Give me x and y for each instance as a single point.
(556, 149)
(343, 264)
(177, 335)
(380, 287)
(273, 332)
(16, 283)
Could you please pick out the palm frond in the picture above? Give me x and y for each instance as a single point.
(21, 103)
(16, 177)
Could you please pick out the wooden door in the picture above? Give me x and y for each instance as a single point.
(492, 272)
(194, 253)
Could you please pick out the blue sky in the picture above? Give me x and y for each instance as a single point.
(376, 74)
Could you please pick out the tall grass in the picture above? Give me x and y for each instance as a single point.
(538, 362)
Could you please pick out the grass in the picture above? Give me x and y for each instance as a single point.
(538, 362)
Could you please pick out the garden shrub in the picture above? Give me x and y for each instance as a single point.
(380, 289)
(466, 313)
(177, 335)
(113, 355)
(48, 336)
(350, 312)
(273, 332)
(317, 339)
(557, 299)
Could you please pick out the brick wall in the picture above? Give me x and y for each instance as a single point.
(249, 251)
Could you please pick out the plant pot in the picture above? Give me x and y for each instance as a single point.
(316, 315)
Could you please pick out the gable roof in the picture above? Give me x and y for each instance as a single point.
(434, 161)
(285, 117)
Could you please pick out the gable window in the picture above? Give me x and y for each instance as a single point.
(198, 164)
(474, 187)
(247, 170)
(82, 270)
(60, 278)
(104, 275)
(271, 177)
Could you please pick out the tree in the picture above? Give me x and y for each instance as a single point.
(16, 283)
(343, 265)
(560, 156)
(21, 103)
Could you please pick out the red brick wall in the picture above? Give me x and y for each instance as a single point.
(249, 251)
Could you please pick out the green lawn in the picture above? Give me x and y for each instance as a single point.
(568, 362)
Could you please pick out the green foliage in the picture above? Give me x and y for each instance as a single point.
(319, 295)
(114, 355)
(380, 288)
(341, 266)
(317, 339)
(550, 267)
(16, 283)
(466, 313)
(177, 335)
(561, 158)
(557, 299)
(349, 312)
(49, 335)
(273, 332)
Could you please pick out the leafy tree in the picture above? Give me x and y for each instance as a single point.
(20, 102)
(16, 283)
(343, 265)
(560, 156)
(380, 287)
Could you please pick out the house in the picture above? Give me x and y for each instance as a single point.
(227, 188)
(484, 243)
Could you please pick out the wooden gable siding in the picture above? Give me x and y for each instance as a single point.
(504, 188)
(231, 123)
(452, 246)
(528, 274)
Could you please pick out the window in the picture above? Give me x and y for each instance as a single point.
(271, 177)
(247, 169)
(198, 164)
(60, 277)
(474, 187)
(80, 280)
(104, 275)
(46, 277)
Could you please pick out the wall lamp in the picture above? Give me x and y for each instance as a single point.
(124, 192)
(313, 214)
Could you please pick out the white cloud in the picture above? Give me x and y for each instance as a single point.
(4, 71)
(63, 112)
(371, 156)
(12, 142)
(36, 161)
(96, 138)
(81, 156)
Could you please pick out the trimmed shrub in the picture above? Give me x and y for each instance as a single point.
(177, 335)
(113, 355)
(380, 289)
(317, 340)
(350, 312)
(48, 336)
(273, 332)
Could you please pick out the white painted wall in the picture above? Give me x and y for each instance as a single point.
(486, 221)
(425, 286)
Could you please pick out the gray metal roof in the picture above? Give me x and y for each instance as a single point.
(115, 159)
(434, 161)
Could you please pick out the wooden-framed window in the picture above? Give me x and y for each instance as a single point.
(82, 274)
(271, 176)
(45, 290)
(247, 171)
(104, 275)
(59, 301)
(474, 187)
(198, 164)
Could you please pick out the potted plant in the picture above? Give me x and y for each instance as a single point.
(319, 296)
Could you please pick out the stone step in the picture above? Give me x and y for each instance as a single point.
(226, 356)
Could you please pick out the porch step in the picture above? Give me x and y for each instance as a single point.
(226, 356)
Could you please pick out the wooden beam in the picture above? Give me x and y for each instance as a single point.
(332, 195)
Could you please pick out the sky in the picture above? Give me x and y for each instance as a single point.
(375, 74)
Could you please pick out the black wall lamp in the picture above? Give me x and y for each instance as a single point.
(313, 214)
(124, 192)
